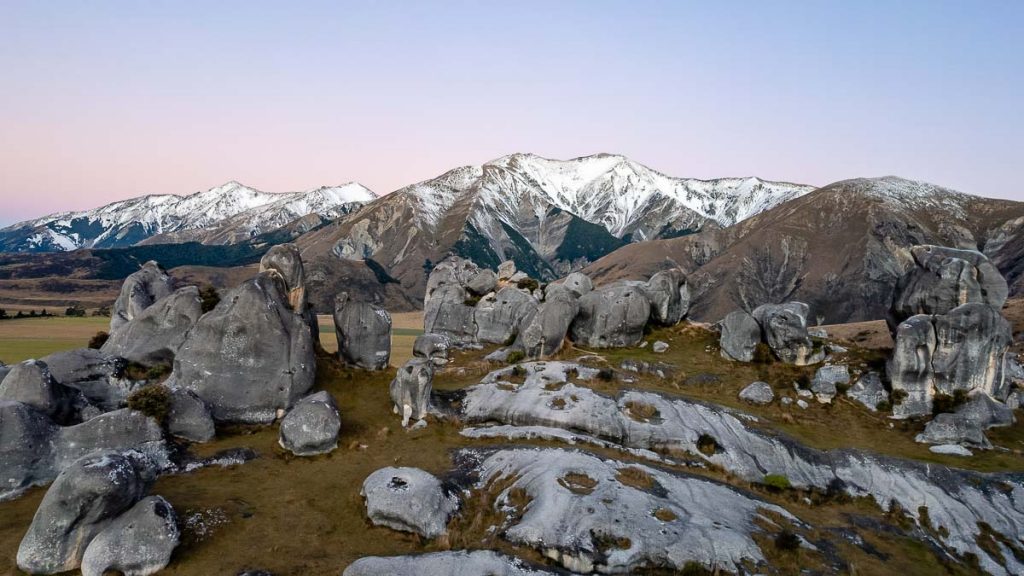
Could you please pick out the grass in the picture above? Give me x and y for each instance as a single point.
(22, 339)
(405, 327)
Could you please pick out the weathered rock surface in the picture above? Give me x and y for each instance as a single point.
(250, 356)
(312, 426)
(4, 369)
(740, 336)
(967, 424)
(451, 563)
(410, 389)
(826, 379)
(758, 393)
(433, 347)
(31, 383)
(784, 329)
(611, 316)
(962, 350)
(506, 270)
(659, 347)
(499, 317)
(444, 303)
(482, 282)
(578, 505)
(945, 278)
(956, 500)
(155, 334)
(190, 417)
(578, 283)
(364, 333)
(97, 375)
(82, 501)
(136, 543)
(285, 260)
(409, 500)
(869, 391)
(542, 333)
(669, 296)
(140, 290)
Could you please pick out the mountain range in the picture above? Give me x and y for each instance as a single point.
(743, 241)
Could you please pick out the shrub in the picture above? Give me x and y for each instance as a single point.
(98, 340)
(516, 356)
(763, 354)
(153, 401)
(157, 371)
(803, 381)
(707, 445)
(897, 397)
(776, 482)
(101, 311)
(518, 371)
(606, 374)
(787, 541)
(75, 312)
(209, 297)
(883, 406)
(946, 403)
(3, 314)
(471, 300)
(528, 284)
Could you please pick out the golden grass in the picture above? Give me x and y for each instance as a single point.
(405, 327)
(21, 339)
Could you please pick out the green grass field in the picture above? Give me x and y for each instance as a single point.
(24, 338)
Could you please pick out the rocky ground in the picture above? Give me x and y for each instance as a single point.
(292, 515)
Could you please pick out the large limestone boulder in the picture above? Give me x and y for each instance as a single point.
(250, 356)
(962, 350)
(154, 335)
(285, 260)
(482, 282)
(945, 278)
(121, 430)
(136, 543)
(97, 375)
(364, 333)
(669, 295)
(542, 333)
(869, 391)
(740, 336)
(80, 503)
(189, 417)
(612, 316)
(784, 329)
(408, 500)
(140, 290)
(312, 426)
(26, 436)
(433, 347)
(446, 302)
(827, 379)
(410, 389)
(31, 383)
(499, 317)
(578, 283)
(758, 393)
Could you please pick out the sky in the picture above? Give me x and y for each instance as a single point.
(106, 100)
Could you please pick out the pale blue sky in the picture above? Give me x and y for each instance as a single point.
(107, 100)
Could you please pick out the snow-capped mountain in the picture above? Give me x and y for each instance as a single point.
(224, 214)
(549, 216)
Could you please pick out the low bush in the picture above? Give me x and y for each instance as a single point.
(209, 297)
(948, 403)
(787, 541)
(98, 340)
(777, 482)
(516, 356)
(528, 284)
(763, 354)
(897, 397)
(153, 401)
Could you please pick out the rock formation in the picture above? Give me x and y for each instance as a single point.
(409, 500)
(612, 316)
(31, 383)
(740, 336)
(154, 335)
(312, 426)
(945, 278)
(758, 393)
(782, 327)
(542, 332)
(136, 543)
(140, 291)
(433, 347)
(451, 563)
(364, 333)
(410, 389)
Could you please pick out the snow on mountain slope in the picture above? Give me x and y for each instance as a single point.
(129, 222)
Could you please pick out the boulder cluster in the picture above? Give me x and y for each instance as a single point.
(780, 327)
(951, 344)
(96, 422)
(473, 306)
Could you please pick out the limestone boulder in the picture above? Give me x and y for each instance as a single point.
(971, 342)
(869, 391)
(758, 393)
(450, 563)
(482, 282)
(578, 283)
(542, 332)
(410, 389)
(447, 313)
(83, 501)
(154, 335)
(826, 380)
(612, 316)
(409, 500)
(139, 291)
(740, 335)
(364, 333)
(784, 329)
(945, 278)
(433, 347)
(285, 260)
(499, 317)
(669, 296)
(99, 376)
(31, 383)
(189, 417)
(250, 356)
(312, 426)
(139, 542)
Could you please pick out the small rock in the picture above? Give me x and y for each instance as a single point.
(419, 425)
(659, 347)
(951, 449)
(868, 390)
(506, 269)
(825, 380)
(758, 393)
(312, 426)
(802, 404)
(409, 500)
(786, 400)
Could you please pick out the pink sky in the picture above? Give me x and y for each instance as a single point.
(109, 101)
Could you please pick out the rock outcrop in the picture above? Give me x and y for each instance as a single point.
(784, 329)
(612, 316)
(154, 335)
(409, 500)
(740, 336)
(250, 356)
(945, 278)
(499, 316)
(83, 501)
(669, 296)
(189, 417)
(410, 389)
(433, 347)
(97, 375)
(451, 563)
(312, 426)
(869, 391)
(285, 260)
(542, 332)
(758, 393)
(827, 379)
(364, 333)
(140, 290)
(31, 383)
(136, 543)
